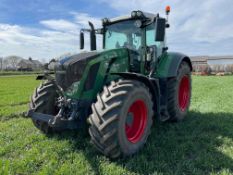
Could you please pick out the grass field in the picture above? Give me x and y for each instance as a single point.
(201, 144)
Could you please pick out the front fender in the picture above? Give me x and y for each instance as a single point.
(151, 83)
(169, 64)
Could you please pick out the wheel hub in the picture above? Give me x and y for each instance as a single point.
(184, 93)
(136, 121)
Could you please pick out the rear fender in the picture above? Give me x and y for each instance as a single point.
(169, 64)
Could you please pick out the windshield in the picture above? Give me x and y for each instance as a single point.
(123, 35)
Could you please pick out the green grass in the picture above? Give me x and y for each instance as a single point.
(201, 144)
(14, 94)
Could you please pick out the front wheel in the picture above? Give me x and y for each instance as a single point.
(121, 118)
(43, 101)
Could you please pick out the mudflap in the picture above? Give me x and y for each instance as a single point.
(56, 122)
(164, 116)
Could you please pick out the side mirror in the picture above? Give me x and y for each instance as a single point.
(160, 26)
(81, 40)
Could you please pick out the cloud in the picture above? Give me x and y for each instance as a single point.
(197, 27)
(80, 20)
(61, 25)
(83, 18)
(27, 42)
(58, 36)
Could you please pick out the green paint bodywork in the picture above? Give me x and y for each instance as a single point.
(120, 64)
(169, 63)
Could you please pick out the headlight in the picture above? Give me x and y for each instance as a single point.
(105, 20)
(139, 14)
(138, 23)
(133, 14)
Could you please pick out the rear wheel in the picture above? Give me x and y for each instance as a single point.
(179, 93)
(121, 118)
(43, 101)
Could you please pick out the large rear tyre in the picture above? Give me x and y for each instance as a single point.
(179, 93)
(43, 101)
(121, 118)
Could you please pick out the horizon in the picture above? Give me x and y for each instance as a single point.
(42, 60)
(46, 30)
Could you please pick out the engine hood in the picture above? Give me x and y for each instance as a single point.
(77, 57)
(87, 56)
(70, 69)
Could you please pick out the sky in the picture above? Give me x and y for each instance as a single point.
(50, 28)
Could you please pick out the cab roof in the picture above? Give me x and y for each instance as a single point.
(146, 15)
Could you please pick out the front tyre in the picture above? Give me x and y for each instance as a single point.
(43, 101)
(121, 118)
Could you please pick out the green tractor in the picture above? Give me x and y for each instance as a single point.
(118, 91)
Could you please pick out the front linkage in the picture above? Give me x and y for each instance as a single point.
(68, 113)
(59, 121)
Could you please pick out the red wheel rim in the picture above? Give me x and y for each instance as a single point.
(136, 121)
(184, 93)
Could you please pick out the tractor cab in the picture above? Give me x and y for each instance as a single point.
(142, 34)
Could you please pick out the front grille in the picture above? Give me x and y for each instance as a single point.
(90, 81)
(73, 73)
(72, 69)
